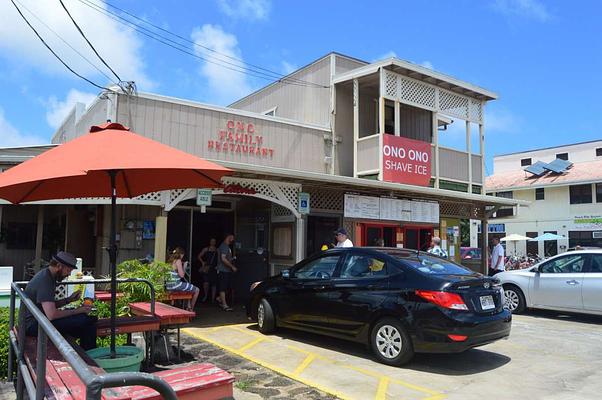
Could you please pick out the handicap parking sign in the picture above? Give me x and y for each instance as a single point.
(304, 203)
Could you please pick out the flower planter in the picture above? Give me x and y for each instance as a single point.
(128, 358)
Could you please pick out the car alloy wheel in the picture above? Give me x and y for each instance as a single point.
(511, 300)
(388, 341)
(260, 315)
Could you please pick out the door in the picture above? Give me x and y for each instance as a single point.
(357, 292)
(307, 292)
(379, 235)
(559, 282)
(592, 284)
(417, 238)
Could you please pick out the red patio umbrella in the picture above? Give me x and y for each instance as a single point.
(110, 161)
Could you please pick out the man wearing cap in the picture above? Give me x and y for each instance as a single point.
(343, 238)
(41, 288)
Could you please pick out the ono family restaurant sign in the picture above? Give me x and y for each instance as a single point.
(240, 137)
(406, 160)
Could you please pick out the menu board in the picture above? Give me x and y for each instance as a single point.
(391, 209)
(362, 207)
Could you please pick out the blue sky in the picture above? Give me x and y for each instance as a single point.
(542, 58)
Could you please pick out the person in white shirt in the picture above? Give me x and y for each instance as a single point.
(497, 258)
(436, 248)
(342, 238)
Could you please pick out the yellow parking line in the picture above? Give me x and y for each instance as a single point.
(384, 381)
(308, 360)
(381, 392)
(251, 344)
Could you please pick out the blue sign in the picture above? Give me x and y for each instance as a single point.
(303, 203)
(494, 228)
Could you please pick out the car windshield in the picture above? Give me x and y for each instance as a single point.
(436, 266)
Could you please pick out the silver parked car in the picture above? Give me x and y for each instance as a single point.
(569, 282)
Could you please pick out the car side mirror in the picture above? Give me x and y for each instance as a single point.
(286, 274)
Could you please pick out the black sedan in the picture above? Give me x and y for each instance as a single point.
(397, 301)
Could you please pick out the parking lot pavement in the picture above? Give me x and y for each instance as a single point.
(548, 356)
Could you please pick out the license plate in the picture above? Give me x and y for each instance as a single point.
(487, 302)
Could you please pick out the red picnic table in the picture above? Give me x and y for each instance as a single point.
(169, 316)
(105, 297)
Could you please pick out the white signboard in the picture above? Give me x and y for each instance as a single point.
(303, 203)
(587, 222)
(391, 209)
(203, 197)
(362, 207)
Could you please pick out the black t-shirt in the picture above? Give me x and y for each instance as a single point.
(40, 289)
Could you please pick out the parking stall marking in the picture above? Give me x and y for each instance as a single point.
(308, 360)
(385, 387)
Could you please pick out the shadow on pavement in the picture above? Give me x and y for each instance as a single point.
(470, 362)
(210, 315)
(563, 316)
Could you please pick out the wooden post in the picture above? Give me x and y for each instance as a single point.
(397, 119)
(484, 247)
(482, 152)
(381, 124)
(356, 123)
(469, 150)
(161, 237)
(435, 128)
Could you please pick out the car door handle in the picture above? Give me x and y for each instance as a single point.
(572, 282)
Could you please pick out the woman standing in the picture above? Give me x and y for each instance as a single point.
(176, 282)
(208, 259)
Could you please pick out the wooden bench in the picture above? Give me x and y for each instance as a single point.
(191, 381)
(169, 316)
(143, 323)
(105, 297)
(174, 296)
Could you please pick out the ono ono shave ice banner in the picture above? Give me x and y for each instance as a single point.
(406, 160)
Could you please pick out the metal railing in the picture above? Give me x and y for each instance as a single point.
(94, 382)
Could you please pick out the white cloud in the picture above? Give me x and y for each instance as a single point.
(11, 137)
(225, 84)
(502, 120)
(117, 44)
(427, 64)
(246, 9)
(386, 55)
(532, 9)
(287, 67)
(57, 110)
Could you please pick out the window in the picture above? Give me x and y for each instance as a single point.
(539, 194)
(525, 162)
(596, 266)
(599, 152)
(580, 194)
(598, 192)
(564, 265)
(505, 195)
(321, 268)
(282, 240)
(271, 112)
(436, 266)
(360, 266)
(504, 212)
(563, 156)
(532, 247)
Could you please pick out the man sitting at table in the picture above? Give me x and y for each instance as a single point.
(41, 290)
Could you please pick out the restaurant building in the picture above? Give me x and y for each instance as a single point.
(339, 142)
(565, 201)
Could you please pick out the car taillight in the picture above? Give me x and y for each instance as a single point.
(458, 338)
(452, 301)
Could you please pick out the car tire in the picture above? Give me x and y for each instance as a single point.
(266, 321)
(514, 299)
(391, 343)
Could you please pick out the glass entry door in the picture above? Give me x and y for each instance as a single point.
(379, 235)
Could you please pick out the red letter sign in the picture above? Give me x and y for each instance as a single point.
(406, 160)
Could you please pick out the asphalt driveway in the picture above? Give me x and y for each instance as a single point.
(548, 356)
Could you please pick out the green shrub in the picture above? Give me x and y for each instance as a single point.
(4, 341)
(155, 272)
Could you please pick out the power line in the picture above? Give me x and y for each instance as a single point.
(65, 42)
(276, 74)
(87, 41)
(53, 52)
(180, 47)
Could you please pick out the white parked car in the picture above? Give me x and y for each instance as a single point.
(569, 282)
